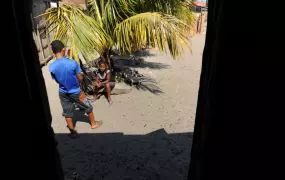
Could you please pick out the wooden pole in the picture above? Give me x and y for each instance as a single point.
(40, 44)
(47, 60)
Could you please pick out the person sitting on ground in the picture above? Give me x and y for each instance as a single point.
(67, 74)
(103, 81)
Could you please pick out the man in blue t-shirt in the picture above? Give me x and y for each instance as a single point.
(67, 74)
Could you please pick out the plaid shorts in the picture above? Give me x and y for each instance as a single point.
(68, 102)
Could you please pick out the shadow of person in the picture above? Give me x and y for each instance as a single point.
(80, 116)
(118, 156)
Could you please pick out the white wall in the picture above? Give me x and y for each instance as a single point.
(53, 4)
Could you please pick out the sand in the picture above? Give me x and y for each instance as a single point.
(145, 136)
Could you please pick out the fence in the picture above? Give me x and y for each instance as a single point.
(42, 39)
(199, 27)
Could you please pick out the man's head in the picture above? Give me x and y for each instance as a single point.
(58, 48)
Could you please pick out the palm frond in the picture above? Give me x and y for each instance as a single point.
(161, 31)
(82, 32)
(110, 12)
(182, 9)
(125, 24)
(96, 8)
(185, 14)
(163, 6)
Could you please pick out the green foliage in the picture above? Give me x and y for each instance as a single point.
(154, 29)
(83, 33)
(124, 24)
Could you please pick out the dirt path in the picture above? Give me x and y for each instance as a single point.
(144, 136)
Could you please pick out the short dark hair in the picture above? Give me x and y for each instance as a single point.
(100, 61)
(57, 46)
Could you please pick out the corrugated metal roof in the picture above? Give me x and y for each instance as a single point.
(202, 4)
(74, 1)
(80, 3)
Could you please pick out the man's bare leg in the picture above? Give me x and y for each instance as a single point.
(73, 132)
(69, 124)
(94, 124)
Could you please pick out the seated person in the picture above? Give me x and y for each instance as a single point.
(103, 81)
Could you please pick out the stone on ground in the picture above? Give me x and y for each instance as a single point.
(121, 88)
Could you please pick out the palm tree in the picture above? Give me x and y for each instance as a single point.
(126, 25)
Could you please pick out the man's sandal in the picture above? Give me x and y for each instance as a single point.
(73, 134)
(98, 125)
(92, 101)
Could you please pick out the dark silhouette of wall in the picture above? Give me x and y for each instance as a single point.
(41, 158)
(240, 102)
(239, 124)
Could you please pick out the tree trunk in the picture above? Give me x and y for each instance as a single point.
(106, 57)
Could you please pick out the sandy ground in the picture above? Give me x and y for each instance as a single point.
(144, 136)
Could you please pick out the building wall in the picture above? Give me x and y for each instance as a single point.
(80, 3)
(39, 7)
(41, 40)
(74, 1)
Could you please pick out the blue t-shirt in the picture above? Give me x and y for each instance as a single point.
(64, 72)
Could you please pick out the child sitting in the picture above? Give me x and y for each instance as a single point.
(103, 81)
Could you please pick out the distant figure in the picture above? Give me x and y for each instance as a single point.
(103, 81)
(67, 74)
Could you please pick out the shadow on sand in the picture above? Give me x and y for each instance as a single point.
(129, 63)
(153, 65)
(117, 156)
(144, 53)
(149, 84)
(126, 62)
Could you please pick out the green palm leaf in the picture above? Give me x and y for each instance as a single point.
(96, 8)
(182, 9)
(125, 24)
(157, 30)
(82, 32)
(110, 12)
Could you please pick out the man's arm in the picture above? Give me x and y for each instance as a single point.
(78, 72)
(79, 77)
(52, 73)
(53, 77)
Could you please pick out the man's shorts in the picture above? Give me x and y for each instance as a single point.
(68, 102)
